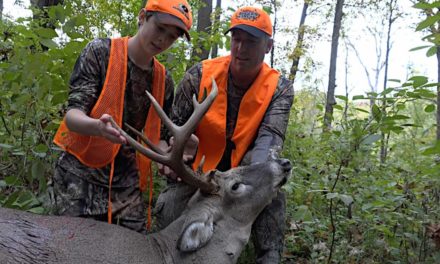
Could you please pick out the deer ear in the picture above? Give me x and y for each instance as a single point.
(195, 235)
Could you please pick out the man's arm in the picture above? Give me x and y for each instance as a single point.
(273, 127)
(189, 86)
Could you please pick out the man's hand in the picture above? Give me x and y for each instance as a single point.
(188, 155)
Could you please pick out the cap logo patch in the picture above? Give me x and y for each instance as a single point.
(248, 15)
(182, 9)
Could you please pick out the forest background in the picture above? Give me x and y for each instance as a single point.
(365, 144)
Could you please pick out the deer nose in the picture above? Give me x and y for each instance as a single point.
(285, 164)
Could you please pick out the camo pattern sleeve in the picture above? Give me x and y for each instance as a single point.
(183, 107)
(271, 133)
(88, 75)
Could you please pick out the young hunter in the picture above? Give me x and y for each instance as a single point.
(99, 176)
(248, 118)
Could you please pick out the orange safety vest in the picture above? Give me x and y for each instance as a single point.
(96, 152)
(212, 129)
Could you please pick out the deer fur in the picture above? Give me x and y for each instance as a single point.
(213, 229)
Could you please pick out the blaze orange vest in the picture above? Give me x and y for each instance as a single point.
(96, 152)
(212, 129)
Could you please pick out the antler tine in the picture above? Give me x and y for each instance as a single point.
(184, 132)
(145, 140)
(166, 121)
(136, 145)
(202, 107)
(174, 159)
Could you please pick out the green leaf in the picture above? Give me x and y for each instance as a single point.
(396, 129)
(401, 106)
(418, 81)
(41, 148)
(397, 117)
(48, 43)
(432, 150)
(420, 47)
(344, 98)
(423, 5)
(387, 91)
(13, 181)
(36, 210)
(431, 51)
(347, 199)
(74, 35)
(37, 169)
(362, 110)
(377, 113)
(430, 108)
(426, 93)
(366, 207)
(429, 21)
(358, 97)
(370, 139)
(330, 196)
(12, 198)
(59, 98)
(339, 107)
(5, 146)
(47, 33)
(320, 107)
(431, 85)
(57, 12)
(302, 213)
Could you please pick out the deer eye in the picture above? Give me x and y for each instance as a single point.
(236, 186)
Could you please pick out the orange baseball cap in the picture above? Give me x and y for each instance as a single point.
(253, 20)
(172, 12)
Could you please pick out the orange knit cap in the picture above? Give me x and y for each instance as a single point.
(253, 20)
(172, 12)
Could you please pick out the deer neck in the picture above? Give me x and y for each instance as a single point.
(225, 246)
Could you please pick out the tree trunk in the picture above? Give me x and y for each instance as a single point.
(438, 93)
(297, 52)
(332, 72)
(45, 3)
(144, 3)
(40, 13)
(218, 8)
(274, 27)
(346, 84)
(384, 142)
(204, 24)
(1, 9)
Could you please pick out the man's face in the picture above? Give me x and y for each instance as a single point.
(247, 51)
(156, 37)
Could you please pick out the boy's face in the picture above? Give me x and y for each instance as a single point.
(154, 36)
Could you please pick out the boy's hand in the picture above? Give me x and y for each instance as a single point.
(107, 131)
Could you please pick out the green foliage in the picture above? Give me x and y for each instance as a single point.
(33, 86)
(343, 199)
(429, 24)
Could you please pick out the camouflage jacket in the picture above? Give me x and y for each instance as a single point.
(86, 83)
(272, 128)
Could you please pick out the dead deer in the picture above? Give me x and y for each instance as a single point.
(213, 229)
